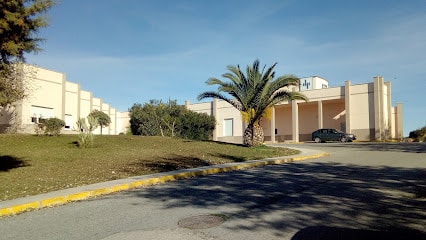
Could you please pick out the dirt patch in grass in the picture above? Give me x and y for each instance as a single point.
(30, 165)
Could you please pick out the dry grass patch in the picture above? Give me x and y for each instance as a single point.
(30, 165)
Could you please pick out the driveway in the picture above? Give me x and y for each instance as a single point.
(360, 191)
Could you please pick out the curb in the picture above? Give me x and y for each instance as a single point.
(132, 184)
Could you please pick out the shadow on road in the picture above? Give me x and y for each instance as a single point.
(303, 195)
(333, 233)
(371, 146)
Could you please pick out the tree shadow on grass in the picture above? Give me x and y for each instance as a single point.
(165, 164)
(175, 162)
(232, 158)
(9, 162)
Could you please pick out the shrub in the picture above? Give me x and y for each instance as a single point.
(197, 126)
(156, 118)
(85, 136)
(39, 129)
(418, 135)
(170, 119)
(53, 126)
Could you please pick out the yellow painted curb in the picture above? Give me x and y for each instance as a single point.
(53, 201)
(78, 196)
(61, 200)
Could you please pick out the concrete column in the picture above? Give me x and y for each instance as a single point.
(186, 104)
(91, 102)
(64, 90)
(398, 123)
(273, 124)
(295, 120)
(388, 105)
(378, 108)
(348, 106)
(214, 113)
(109, 115)
(320, 115)
(78, 102)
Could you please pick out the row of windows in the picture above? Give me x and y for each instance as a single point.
(38, 113)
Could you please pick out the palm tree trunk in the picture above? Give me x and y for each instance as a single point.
(253, 135)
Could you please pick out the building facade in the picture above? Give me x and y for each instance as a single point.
(51, 95)
(362, 109)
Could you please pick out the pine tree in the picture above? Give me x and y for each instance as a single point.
(20, 21)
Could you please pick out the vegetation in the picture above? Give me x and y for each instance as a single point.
(196, 126)
(85, 129)
(53, 126)
(20, 21)
(30, 165)
(171, 120)
(103, 119)
(50, 126)
(418, 135)
(12, 86)
(253, 94)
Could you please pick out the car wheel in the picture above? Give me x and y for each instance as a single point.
(343, 139)
(317, 140)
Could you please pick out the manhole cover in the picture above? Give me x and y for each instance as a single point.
(201, 221)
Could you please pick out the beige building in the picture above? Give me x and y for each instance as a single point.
(51, 95)
(362, 109)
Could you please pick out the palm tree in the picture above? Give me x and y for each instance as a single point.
(253, 94)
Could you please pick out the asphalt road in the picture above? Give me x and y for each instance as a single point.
(361, 191)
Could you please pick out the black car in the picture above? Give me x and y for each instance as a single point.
(331, 134)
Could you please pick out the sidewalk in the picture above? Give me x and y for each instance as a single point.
(19, 205)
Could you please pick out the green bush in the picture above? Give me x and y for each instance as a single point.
(170, 119)
(53, 126)
(197, 126)
(418, 135)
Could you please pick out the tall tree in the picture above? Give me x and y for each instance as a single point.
(20, 21)
(253, 94)
(103, 119)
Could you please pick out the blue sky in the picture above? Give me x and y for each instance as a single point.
(131, 51)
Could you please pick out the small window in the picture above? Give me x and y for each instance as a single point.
(228, 127)
(41, 113)
(34, 119)
(68, 121)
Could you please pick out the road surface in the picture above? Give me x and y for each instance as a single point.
(360, 191)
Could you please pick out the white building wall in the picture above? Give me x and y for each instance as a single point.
(106, 110)
(85, 103)
(45, 98)
(362, 109)
(226, 111)
(112, 128)
(123, 122)
(72, 95)
(311, 83)
(51, 95)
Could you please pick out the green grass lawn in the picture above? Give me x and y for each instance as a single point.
(30, 165)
